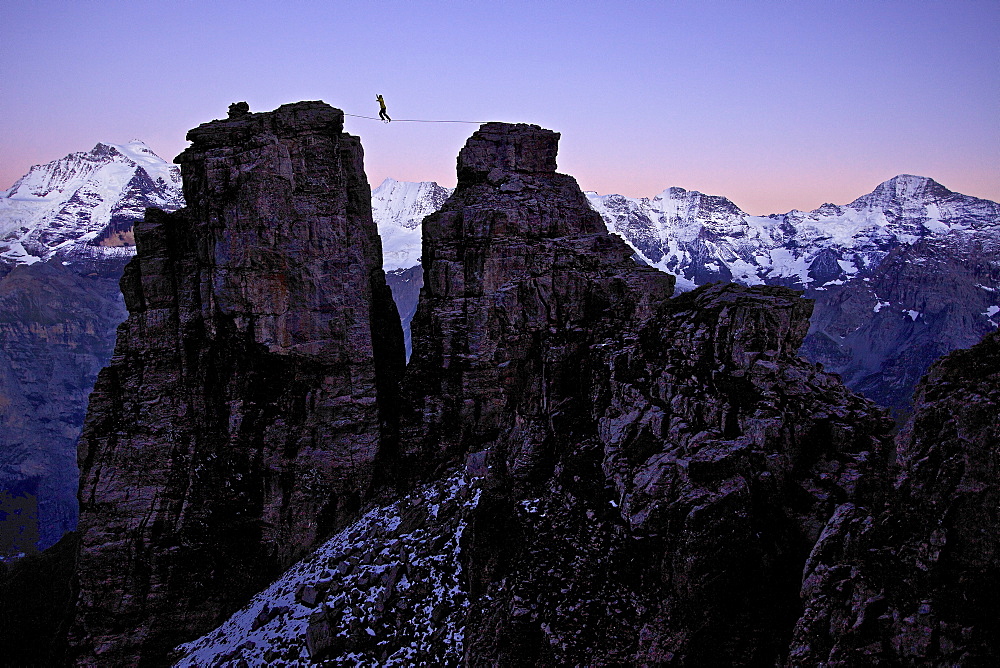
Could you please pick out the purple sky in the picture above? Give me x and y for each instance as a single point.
(776, 104)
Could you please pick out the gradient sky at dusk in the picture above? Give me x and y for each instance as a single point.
(773, 103)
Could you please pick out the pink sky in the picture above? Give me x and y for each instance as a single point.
(776, 105)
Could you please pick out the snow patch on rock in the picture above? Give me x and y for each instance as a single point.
(386, 591)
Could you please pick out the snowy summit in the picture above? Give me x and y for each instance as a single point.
(84, 200)
(398, 207)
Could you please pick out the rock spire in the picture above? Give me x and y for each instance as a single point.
(239, 420)
(520, 278)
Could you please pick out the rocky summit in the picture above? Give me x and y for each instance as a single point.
(520, 279)
(575, 468)
(590, 472)
(239, 419)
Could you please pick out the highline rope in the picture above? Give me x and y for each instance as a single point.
(416, 120)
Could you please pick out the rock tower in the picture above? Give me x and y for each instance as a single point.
(241, 414)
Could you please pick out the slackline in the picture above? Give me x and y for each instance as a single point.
(416, 120)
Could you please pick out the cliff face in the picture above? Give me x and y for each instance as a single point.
(241, 414)
(520, 278)
(916, 582)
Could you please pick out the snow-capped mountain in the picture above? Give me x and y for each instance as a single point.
(702, 238)
(398, 207)
(87, 202)
(65, 235)
(899, 276)
(84, 203)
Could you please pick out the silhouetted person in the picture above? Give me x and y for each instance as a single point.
(381, 114)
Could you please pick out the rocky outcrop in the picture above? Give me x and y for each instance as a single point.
(239, 420)
(624, 478)
(654, 471)
(520, 276)
(916, 582)
(727, 453)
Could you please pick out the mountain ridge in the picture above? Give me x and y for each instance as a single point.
(84, 198)
(900, 275)
(577, 468)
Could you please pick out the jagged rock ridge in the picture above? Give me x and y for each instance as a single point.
(650, 474)
(900, 276)
(915, 582)
(240, 417)
(927, 285)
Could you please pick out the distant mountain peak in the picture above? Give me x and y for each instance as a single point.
(398, 207)
(80, 197)
(908, 189)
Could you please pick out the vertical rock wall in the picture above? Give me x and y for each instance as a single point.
(520, 276)
(240, 417)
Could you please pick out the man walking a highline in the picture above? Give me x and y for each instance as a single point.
(381, 114)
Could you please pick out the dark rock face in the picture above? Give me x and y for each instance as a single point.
(655, 471)
(917, 582)
(240, 417)
(517, 272)
(727, 453)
